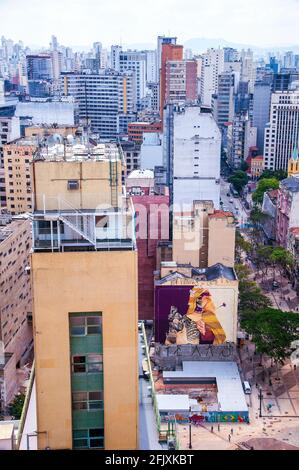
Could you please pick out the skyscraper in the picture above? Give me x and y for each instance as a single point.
(281, 136)
(84, 251)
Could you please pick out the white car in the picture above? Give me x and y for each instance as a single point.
(247, 388)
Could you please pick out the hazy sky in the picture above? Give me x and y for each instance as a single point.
(81, 22)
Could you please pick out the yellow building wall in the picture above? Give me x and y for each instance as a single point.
(222, 238)
(86, 282)
(51, 178)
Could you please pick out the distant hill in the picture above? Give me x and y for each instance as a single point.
(199, 45)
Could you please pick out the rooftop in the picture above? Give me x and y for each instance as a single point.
(230, 391)
(141, 174)
(291, 184)
(220, 214)
(78, 151)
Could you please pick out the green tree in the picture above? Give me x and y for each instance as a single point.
(239, 180)
(16, 406)
(273, 332)
(251, 296)
(277, 174)
(242, 246)
(264, 185)
(282, 260)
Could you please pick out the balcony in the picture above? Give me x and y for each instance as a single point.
(84, 230)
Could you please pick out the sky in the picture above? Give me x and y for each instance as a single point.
(263, 23)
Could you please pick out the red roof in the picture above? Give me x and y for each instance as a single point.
(221, 214)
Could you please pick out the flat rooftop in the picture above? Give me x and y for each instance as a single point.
(230, 390)
(79, 152)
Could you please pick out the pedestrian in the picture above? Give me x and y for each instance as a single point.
(229, 437)
(295, 366)
(218, 427)
(232, 431)
(212, 428)
(270, 382)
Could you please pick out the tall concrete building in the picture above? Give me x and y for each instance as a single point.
(134, 61)
(170, 52)
(18, 156)
(40, 74)
(261, 109)
(191, 153)
(85, 337)
(212, 67)
(106, 100)
(15, 303)
(281, 135)
(160, 41)
(224, 109)
(181, 81)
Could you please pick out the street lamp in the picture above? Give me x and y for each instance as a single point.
(190, 429)
(261, 397)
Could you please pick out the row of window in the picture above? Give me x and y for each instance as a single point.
(87, 325)
(88, 438)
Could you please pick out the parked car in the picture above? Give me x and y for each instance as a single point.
(247, 387)
(231, 201)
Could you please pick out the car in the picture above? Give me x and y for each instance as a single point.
(237, 208)
(228, 194)
(247, 387)
(231, 201)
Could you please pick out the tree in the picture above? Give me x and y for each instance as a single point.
(264, 185)
(277, 174)
(242, 246)
(16, 406)
(239, 180)
(282, 260)
(273, 332)
(251, 297)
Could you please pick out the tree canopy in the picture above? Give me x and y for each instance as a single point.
(16, 406)
(264, 185)
(239, 180)
(277, 174)
(273, 331)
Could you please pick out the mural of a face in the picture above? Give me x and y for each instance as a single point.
(199, 325)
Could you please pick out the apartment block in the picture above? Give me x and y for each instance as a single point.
(15, 302)
(18, 156)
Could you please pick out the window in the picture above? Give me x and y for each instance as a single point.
(87, 325)
(90, 363)
(88, 400)
(88, 438)
(73, 184)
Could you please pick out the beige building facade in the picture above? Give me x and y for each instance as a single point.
(84, 279)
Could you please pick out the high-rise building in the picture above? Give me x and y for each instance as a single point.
(103, 99)
(170, 52)
(18, 156)
(224, 111)
(181, 81)
(160, 41)
(134, 61)
(212, 67)
(261, 109)
(281, 135)
(85, 338)
(15, 303)
(40, 74)
(192, 144)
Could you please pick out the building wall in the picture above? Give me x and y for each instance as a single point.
(15, 299)
(17, 159)
(86, 282)
(94, 182)
(222, 235)
(149, 232)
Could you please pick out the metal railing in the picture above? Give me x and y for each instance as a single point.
(25, 407)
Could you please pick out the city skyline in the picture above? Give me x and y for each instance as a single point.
(115, 22)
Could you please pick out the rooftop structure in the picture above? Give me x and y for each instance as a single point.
(79, 200)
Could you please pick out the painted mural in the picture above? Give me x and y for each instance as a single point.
(195, 315)
(209, 417)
